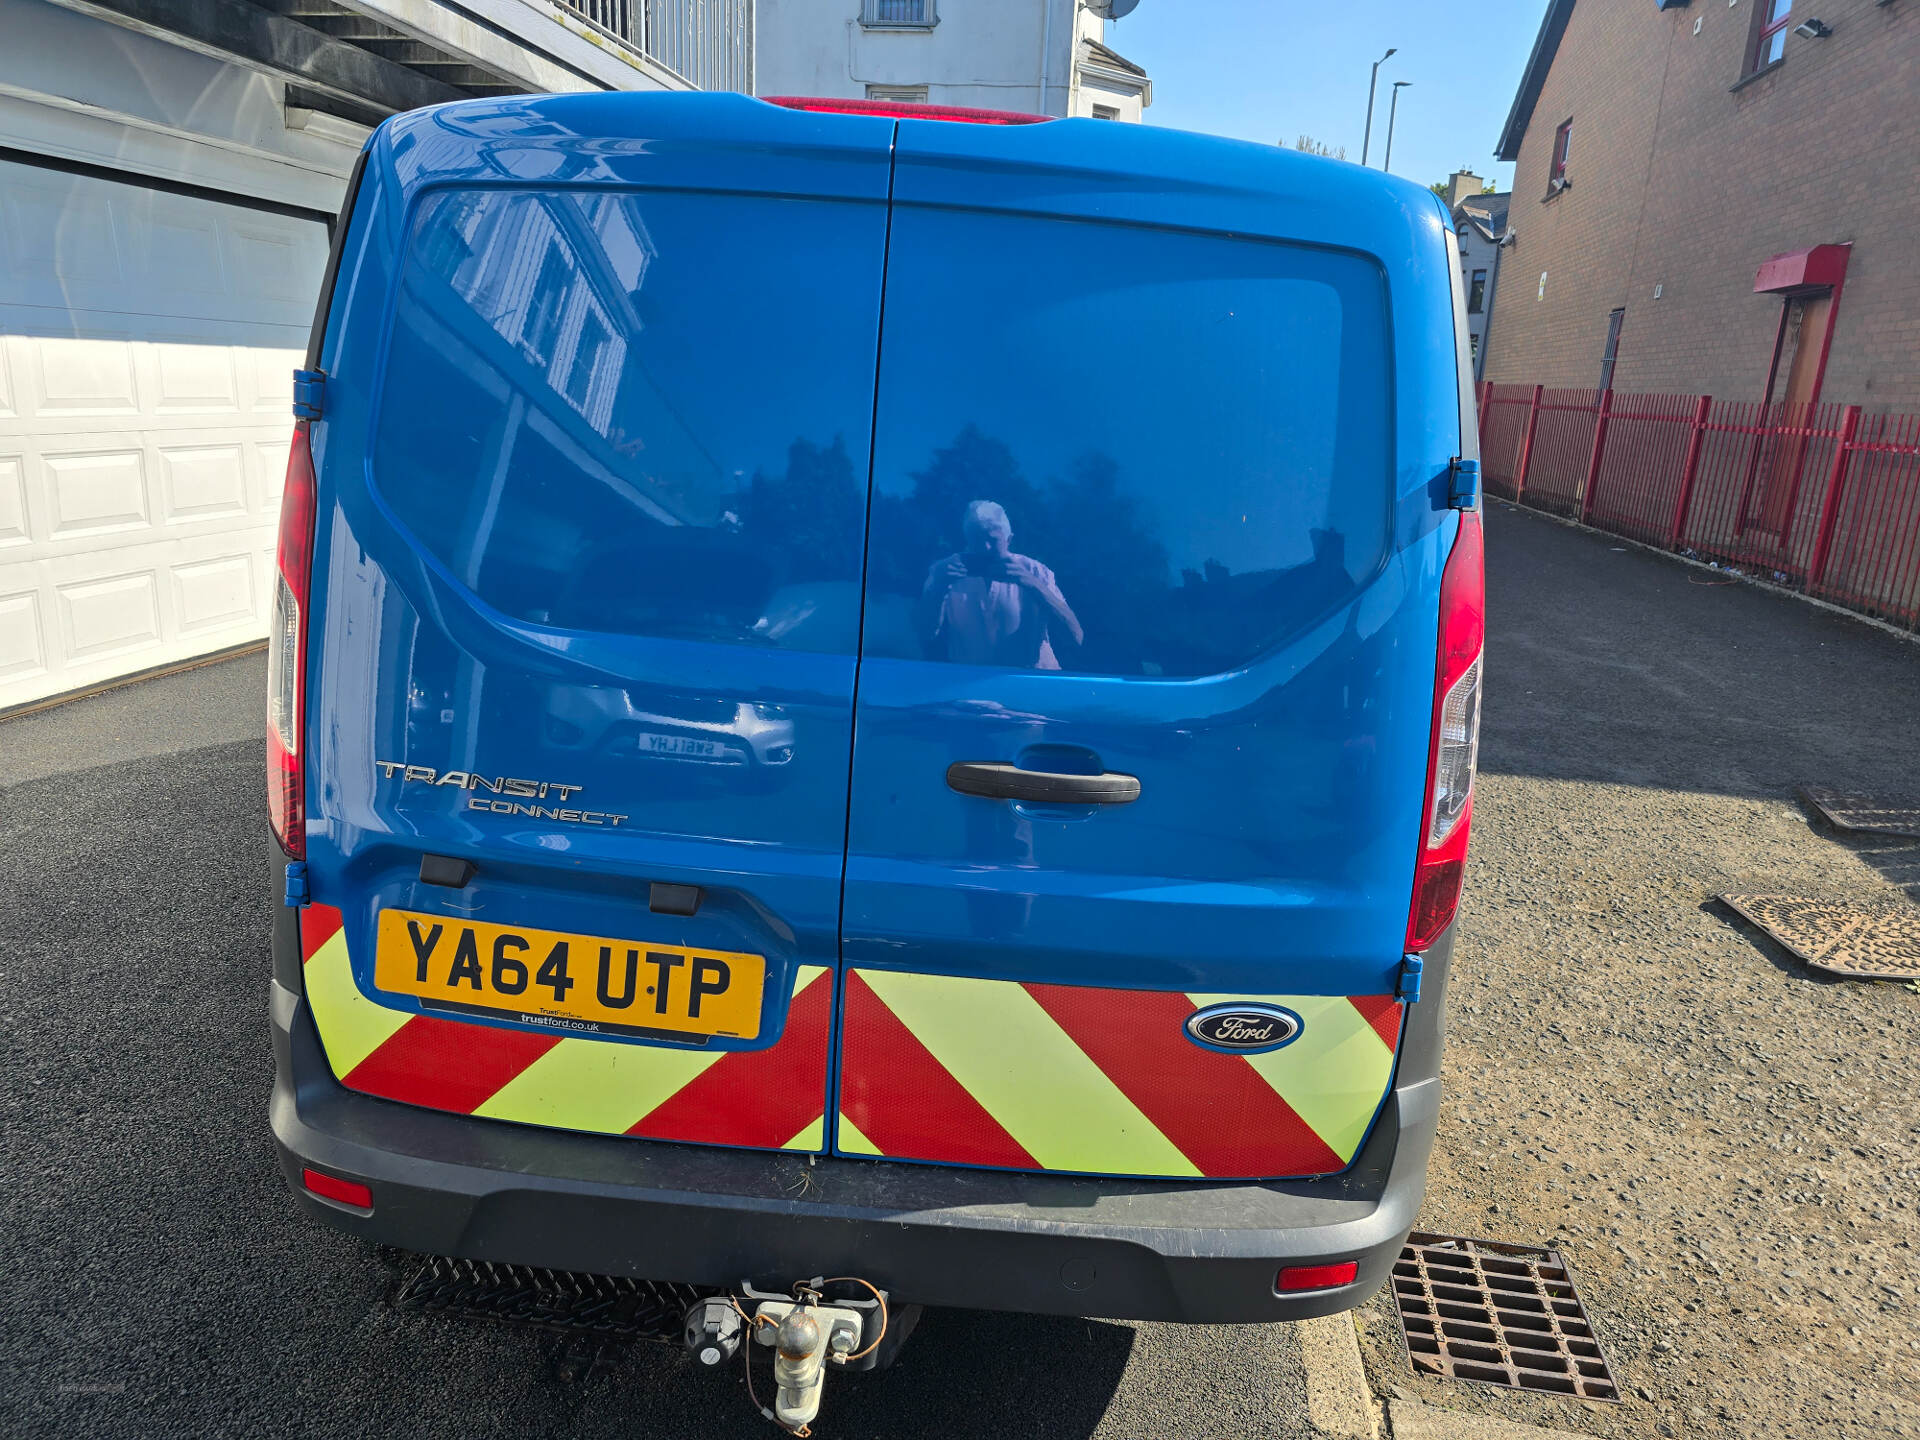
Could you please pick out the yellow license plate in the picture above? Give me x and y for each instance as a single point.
(583, 984)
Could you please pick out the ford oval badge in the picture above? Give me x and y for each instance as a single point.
(1243, 1028)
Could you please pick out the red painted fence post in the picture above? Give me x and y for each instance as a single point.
(1830, 507)
(1526, 445)
(1600, 419)
(1484, 393)
(1683, 502)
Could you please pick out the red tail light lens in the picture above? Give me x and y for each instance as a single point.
(906, 109)
(287, 653)
(332, 1187)
(1316, 1277)
(1454, 747)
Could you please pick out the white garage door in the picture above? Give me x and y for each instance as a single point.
(147, 344)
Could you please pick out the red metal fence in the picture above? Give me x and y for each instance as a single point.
(1819, 497)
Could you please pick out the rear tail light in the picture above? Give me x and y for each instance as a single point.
(332, 1187)
(906, 109)
(1316, 1277)
(287, 653)
(1455, 744)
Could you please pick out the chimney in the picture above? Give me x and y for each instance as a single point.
(1461, 184)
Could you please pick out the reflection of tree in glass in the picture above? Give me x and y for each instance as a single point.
(812, 515)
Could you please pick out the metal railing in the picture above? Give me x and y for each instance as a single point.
(1819, 497)
(706, 42)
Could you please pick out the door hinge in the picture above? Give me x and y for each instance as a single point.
(1409, 987)
(297, 894)
(309, 390)
(1463, 483)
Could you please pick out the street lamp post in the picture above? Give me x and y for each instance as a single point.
(1386, 162)
(1372, 81)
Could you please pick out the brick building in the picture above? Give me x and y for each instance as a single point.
(1667, 151)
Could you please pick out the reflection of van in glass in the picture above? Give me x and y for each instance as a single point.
(936, 660)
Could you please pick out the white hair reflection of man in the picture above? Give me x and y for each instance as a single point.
(989, 606)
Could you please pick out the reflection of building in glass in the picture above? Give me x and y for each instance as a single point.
(554, 278)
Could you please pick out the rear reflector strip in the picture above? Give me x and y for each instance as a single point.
(906, 110)
(1316, 1277)
(332, 1187)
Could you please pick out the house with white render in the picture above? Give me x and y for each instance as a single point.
(1045, 57)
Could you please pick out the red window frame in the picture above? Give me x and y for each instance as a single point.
(1562, 145)
(1770, 39)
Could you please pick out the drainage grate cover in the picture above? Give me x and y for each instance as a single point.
(603, 1307)
(1865, 941)
(1875, 814)
(1499, 1314)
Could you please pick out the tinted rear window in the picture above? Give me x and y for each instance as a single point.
(642, 413)
(1121, 451)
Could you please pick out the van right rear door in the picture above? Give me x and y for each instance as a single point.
(1151, 511)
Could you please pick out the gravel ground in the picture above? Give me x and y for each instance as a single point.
(158, 1280)
(1721, 1141)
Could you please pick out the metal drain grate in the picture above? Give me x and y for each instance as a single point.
(1863, 941)
(603, 1307)
(1875, 814)
(1500, 1314)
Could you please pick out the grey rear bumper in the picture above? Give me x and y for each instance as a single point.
(1125, 1249)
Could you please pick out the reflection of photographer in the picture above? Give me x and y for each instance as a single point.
(989, 606)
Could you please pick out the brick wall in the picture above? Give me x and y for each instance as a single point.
(1676, 180)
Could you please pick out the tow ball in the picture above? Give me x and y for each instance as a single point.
(806, 1332)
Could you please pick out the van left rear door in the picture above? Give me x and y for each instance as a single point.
(592, 488)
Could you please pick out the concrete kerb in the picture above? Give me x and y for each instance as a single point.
(1340, 1403)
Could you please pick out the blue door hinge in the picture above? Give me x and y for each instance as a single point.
(297, 893)
(309, 390)
(1409, 988)
(1463, 484)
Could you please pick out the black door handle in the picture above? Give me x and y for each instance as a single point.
(1009, 782)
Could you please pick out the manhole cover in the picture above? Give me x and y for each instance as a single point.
(1876, 814)
(1499, 1314)
(603, 1307)
(1877, 940)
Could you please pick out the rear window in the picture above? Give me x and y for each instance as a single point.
(1121, 451)
(639, 413)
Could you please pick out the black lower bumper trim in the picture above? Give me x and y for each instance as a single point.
(1123, 1249)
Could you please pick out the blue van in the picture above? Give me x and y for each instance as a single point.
(865, 691)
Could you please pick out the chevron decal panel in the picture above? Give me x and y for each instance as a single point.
(1103, 1082)
(770, 1099)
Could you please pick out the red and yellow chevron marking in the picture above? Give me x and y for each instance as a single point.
(770, 1099)
(1103, 1082)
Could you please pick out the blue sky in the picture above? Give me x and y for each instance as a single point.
(1272, 70)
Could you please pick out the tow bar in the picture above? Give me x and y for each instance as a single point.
(805, 1329)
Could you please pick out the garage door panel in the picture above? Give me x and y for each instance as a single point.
(194, 378)
(109, 616)
(203, 482)
(214, 594)
(147, 345)
(98, 491)
(13, 502)
(23, 650)
(71, 378)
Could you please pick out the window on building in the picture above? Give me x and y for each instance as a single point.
(1473, 345)
(1477, 293)
(1770, 33)
(1106, 112)
(1562, 145)
(902, 94)
(897, 12)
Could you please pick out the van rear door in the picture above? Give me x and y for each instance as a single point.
(1148, 655)
(592, 487)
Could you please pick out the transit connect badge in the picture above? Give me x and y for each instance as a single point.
(1243, 1028)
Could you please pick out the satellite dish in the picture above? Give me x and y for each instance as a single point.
(1117, 8)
